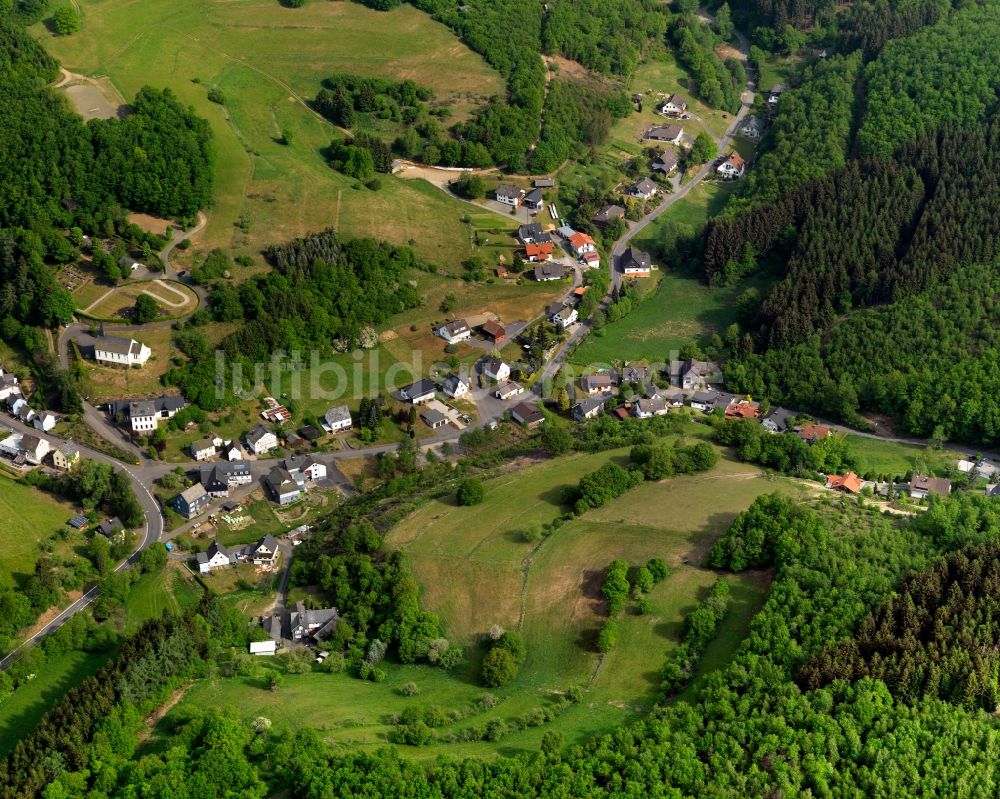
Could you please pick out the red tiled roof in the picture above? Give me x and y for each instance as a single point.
(849, 482)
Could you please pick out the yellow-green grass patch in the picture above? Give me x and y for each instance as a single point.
(27, 517)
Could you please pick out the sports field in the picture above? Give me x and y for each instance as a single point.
(27, 517)
(268, 61)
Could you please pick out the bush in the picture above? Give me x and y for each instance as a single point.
(499, 667)
(659, 569)
(608, 636)
(409, 689)
(65, 21)
(470, 492)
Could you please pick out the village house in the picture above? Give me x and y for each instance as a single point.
(508, 390)
(588, 408)
(496, 370)
(419, 392)
(191, 501)
(607, 213)
(216, 556)
(203, 449)
(643, 189)
(549, 271)
(731, 167)
(493, 331)
(704, 400)
(639, 375)
(8, 385)
(283, 487)
(264, 553)
(582, 243)
(811, 433)
(455, 386)
(672, 134)
(597, 383)
(34, 448)
(534, 199)
(561, 315)
(44, 421)
(119, 351)
(24, 413)
(665, 163)
(304, 468)
(220, 477)
(433, 418)
(849, 483)
(777, 421)
(532, 233)
(299, 624)
(65, 455)
(143, 416)
(742, 409)
(674, 397)
(111, 528)
(635, 263)
(509, 194)
(455, 331)
(591, 260)
(536, 253)
(753, 128)
(261, 440)
(527, 415)
(674, 106)
(653, 406)
(336, 419)
(921, 486)
(692, 374)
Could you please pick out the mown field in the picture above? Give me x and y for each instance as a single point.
(174, 298)
(476, 571)
(27, 517)
(269, 61)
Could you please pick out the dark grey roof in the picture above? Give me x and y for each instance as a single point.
(644, 186)
(115, 344)
(508, 190)
(609, 212)
(257, 433)
(634, 257)
(111, 526)
(534, 196)
(433, 417)
(587, 405)
(78, 522)
(420, 388)
(549, 270)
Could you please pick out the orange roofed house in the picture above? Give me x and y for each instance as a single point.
(538, 252)
(732, 167)
(849, 483)
(811, 433)
(742, 409)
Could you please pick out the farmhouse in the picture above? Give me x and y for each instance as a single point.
(263, 553)
(65, 455)
(588, 408)
(219, 478)
(674, 106)
(508, 194)
(921, 486)
(494, 331)
(606, 214)
(120, 351)
(455, 386)
(665, 163)
(534, 199)
(636, 263)
(673, 134)
(455, 331)
(203, 449)
(495, 369)
(538, 252)
(508, 390)
(849, 483)
(336, 419)
(261, 440)
(527, 414)
(434, 418)
(283, 487)
(654, 406)
(582, 243)
(419, 392)
(191, 501)
(732, 167)
(549, 271)
(597, 383)
(642, 189)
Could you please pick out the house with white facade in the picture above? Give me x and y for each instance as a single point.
(508, 194)
(455, 386)
(495, 369)
(337, 418)
(216, 557)
(636, 263)
(732, 167)
(643, 189)
(455, 331)
(44, 421)
(203, 449)
(118, 351)
(261, 440)
(674, 106)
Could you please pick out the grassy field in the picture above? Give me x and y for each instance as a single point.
(268, 61)
(174, 298)
(476, 571)
(20, 714)
(112, 382)
(172, 590)
(27, 517)
(887, 457)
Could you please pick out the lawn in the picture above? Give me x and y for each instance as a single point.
(887, 457)
(101, 383)
(20, 714)
(27, 517)
(269, 61)
(174, 298)
(172, 589)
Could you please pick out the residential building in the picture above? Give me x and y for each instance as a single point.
(25, 413)
(674, 397)
(674, 106)
(508, 390)
(636, 263)
(704, 400)
(732, 167)
(665, 163)
(921, 486)
(753, 128)
(44, 421)
(455, 331)
(419, 392)
(264, 553)
(433, 418)
(692, 374)
(111, 528)
(654, 406)
(531, 233)
(8, 385)
(119, 351)
(527, 414)
(143, 416)
(673, 134)
(777, 421)
(65, 455)
(261, 440)
(638, 375)
(775, 94)
(283, 487)
(494, 331)
(536, 253)
(545, 272)
(455, 386)
(591, 259)
(508, 194)
(495, 369)
(588, 408)
(642, 189)
(811, 433)
(315, 624)
(607, 213)
(597, 383)
(220, 477)
(216, 557)
(34, 448)
(849, 483)
(534, 199)
(582, 243)
(306, 467)
(203, 449)
(191, 501)
(336, 419)
(742, 409)
(563, 316)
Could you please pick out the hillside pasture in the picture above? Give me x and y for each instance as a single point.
(27, 517)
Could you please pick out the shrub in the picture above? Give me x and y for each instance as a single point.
(608, 636)
(499, 667)
(470, 492)
(409, 689)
